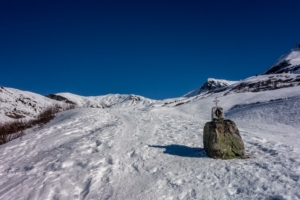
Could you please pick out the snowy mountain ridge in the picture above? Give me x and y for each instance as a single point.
(210, 85)
(16, 104)
(110, 101)
(288, 63)
(272, 84)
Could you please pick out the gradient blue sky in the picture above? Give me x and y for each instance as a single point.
(154, 48)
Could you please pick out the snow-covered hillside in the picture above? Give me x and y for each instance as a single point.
(210, 85)
(18, 104)
(157, 153)
(109, 101)
(287, 63)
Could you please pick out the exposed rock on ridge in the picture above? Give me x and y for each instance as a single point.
(266, 83)
(59, 98)
(289, 63)
(210, 85)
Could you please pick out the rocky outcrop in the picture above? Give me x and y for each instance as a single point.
(210, 85)
(59, 98)
(134, 98)
(289, 63)
(222, 140)
(266, 83)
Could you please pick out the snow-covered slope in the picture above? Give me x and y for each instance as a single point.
(110, 101)
(210, 85)
(264, 83)
(287, 63)
(18, 104)
(127, 153)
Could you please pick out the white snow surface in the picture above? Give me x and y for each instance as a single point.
(109, 101)
(157, 153)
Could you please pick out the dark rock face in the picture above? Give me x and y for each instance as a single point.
(287, 63)
(134, 98)
(211, 85)
(280, 68)
(59, 98)
(56, 97)
(222, 140)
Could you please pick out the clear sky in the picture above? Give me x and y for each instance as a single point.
(154, 48)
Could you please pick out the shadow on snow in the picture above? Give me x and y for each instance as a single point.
(182, 151)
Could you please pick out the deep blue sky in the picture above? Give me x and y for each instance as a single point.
(154, 48)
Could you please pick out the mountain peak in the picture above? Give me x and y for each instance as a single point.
(288, 63)
(109, 100)
(210, 85)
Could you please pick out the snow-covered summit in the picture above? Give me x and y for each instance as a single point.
(210, 85)
(109, 100)
(288, 63)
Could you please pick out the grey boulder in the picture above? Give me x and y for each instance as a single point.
(222, 140)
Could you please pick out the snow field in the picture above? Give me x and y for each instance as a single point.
(133, 154)
(280, 119)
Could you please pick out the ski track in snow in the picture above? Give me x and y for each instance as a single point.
(132, 154)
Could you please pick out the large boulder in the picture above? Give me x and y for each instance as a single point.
(222, 140)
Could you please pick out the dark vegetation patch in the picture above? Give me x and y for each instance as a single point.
(11, 130)
(15, 129)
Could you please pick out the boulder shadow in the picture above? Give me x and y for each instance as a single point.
(182, 151)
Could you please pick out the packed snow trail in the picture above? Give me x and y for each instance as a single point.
(133, 154)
